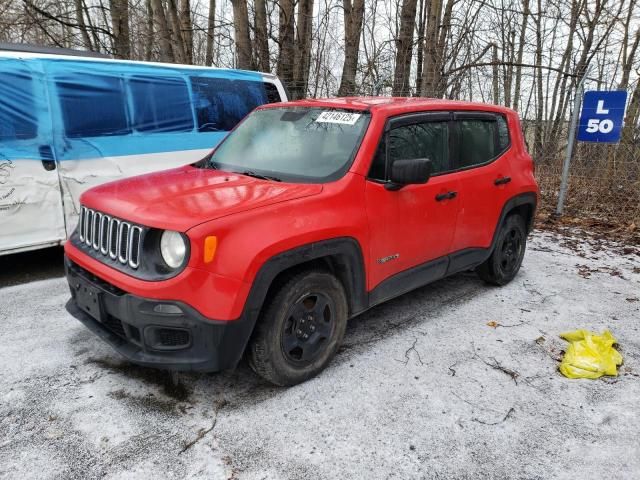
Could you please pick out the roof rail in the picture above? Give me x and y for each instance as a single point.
(25, 47)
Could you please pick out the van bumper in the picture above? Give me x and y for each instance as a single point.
(154, 333)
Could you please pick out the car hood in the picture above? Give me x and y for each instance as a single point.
(182, 198)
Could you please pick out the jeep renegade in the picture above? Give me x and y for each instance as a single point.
(307, 214)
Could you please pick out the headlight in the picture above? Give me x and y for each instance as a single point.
(173, 248)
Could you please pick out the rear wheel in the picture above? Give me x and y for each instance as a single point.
(505, 261)
(300, 329)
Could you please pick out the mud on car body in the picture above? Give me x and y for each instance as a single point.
(307, 214)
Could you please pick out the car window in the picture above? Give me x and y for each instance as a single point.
(18, 119)
(503, 134)
(476, 142)
(421, 140)
(221, 103)
(160, 104)
(92, 105)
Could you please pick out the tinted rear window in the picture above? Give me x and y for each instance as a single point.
(18, 119)
(221, 103)
(477, 142)
(160, 104)
(93, 105)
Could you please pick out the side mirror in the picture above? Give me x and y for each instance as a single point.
(409, 172)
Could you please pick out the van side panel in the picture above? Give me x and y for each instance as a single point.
(30, 198)
(98, 120)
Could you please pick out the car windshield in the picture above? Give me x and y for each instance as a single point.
(295, 144)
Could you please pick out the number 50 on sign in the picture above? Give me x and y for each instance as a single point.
(602, 116)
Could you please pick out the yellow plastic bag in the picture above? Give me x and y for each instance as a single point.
(590, 355)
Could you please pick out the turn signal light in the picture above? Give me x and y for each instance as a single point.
(210, 247)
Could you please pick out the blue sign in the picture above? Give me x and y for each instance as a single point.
(602, 116)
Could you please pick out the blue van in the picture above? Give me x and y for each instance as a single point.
(68, 123)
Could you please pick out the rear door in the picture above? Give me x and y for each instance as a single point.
(484, 172)
(415, 225)
(31, 212)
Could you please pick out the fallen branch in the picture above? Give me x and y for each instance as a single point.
(202, 432)
(497, 366)
(508, 415)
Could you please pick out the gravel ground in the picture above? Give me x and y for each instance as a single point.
(423, 388)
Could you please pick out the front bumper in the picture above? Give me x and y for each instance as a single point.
(149, 332)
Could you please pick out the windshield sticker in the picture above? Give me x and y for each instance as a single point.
(343, 118)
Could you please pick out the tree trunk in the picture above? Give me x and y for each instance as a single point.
(208, 56)
(404, 48)
(286, 43)
(177, 40)
(496, 80)
(186, 27)
(148, 46)
(86, 40)
(160, 19)
(120, 27)
(521, 42)
(537, 141)
(261, 36)
(303, 48)
(242, 38)
(432, 69)
(422, 21)
(353, 15)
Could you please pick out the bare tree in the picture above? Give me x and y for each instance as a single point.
(120, 22)
(211, 23)
(286, 41)
(261, 36)
(404, 48)
(353, 15)
(242, 36)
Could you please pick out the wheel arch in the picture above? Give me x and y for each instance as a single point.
(341, 256)
(523, 204)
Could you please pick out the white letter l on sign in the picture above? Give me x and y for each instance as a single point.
(601, 110)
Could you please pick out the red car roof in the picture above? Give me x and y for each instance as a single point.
(393, 105)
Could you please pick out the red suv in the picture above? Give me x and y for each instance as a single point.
(307, 214)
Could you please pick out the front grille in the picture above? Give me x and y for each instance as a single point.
(110, 236)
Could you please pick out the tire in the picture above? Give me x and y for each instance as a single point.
(505, 260)
(300, 329)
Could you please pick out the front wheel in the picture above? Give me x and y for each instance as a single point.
(300, 329)
(505, 260)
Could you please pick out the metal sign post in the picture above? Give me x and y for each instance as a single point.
(567, 159)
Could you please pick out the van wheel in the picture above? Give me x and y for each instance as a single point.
(300, 329)
(503, 264)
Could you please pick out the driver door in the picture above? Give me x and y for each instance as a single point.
(412, 229)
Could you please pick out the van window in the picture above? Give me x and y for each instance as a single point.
(92, 105)
(18, 111)
(160, 104)
(477, 142)
(221, 103)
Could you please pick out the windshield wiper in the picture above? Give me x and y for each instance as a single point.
(250, 173)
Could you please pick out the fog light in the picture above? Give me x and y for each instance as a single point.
(167, 309)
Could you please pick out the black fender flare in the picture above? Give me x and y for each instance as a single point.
(527, 198)
(348, 261)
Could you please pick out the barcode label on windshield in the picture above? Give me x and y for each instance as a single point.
(343, 118)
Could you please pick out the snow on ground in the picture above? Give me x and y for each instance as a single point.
(423, 388)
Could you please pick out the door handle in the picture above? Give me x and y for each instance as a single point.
(502, 181)
(446, 196)
(46, 157)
